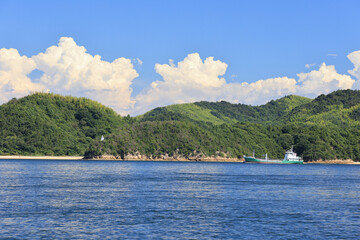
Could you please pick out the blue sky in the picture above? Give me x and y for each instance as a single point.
(258, 40)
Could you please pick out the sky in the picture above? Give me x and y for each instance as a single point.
(136, 55)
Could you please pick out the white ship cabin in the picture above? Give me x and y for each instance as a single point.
(290, 155)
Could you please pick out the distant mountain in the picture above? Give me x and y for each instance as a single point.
(50, 124)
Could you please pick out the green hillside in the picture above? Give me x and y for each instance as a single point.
(184, 112)
(50, 124)
(324, 128)
(186, 139)
(341, 108)
(327, 127)
(224, 112)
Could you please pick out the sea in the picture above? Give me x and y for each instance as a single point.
(56, 199)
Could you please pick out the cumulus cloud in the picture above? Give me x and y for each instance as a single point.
(354, 57)
(258, 92)
(14, 81)
(69, 69)
(193, 80)
(323, 81)
(194, 71)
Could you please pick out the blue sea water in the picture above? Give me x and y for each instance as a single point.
(177, 200)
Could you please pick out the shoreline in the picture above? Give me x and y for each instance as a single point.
(335, 161)
(209, 159)
(107, 158)
(21, 157)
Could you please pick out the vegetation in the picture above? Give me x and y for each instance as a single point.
(327, 127)
(270, 112)
(340, 108)
(50, 124)
(186, 139)
(224, 112)
(324, 128)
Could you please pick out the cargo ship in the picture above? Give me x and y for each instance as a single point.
(290, 158)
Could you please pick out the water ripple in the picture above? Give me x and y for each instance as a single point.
(169, 200)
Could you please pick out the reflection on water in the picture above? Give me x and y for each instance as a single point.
(176, 200)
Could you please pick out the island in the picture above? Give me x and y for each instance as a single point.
(46, 125)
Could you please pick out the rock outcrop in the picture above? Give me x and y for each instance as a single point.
(140, 157)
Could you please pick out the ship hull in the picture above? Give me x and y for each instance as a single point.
(292, 162)
(270, 161)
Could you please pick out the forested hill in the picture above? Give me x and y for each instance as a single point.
(341, 108)
(224, 112)
(327, 127)
(50, 124)
(271, 111)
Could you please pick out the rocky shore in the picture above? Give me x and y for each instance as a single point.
(139, 157)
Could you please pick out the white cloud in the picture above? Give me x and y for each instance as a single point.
(191, 80)
(139, 61)
(323, 81)
(194, 80)
(69, 69)
(332, 54)
(258, 92)
(309, 65)
(14, 81)
(354, 57)
(193, 70)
